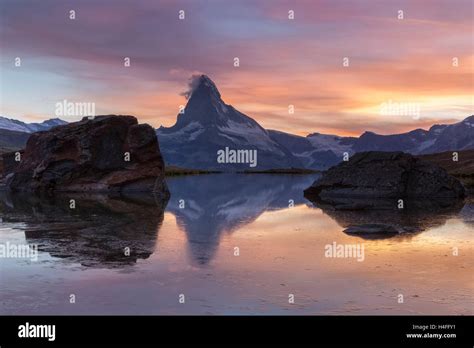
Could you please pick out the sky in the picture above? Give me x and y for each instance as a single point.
(282, 61)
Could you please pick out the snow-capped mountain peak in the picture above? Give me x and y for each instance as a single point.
(203, 84)
(206, 107)
(208, 124)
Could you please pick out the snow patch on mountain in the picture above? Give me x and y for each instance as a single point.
(188, 133)
(323, 142)
(245, 134)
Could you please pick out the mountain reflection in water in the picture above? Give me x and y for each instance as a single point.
(100, 228)
(187, 245)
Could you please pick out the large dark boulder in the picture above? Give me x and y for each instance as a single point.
(386, 175)
(106, 153)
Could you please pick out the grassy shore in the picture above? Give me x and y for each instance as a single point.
(176, 171)
(293, 171)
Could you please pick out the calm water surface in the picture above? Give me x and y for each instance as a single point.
(188, 246)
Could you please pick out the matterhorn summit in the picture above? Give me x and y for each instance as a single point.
(207, 125)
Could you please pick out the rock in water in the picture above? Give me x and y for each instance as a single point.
(372, 230)
(386, 175)
(107, 153)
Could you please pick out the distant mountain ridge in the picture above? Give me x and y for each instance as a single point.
(207, 125)
(458, 136)
(19, 126)
(320, 151)
(14, 133)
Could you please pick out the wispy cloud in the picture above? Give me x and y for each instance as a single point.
(282, 61)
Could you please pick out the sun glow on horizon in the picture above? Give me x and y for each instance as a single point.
(426, 58)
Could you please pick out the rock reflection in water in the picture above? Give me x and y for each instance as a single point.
(95, 233)
(382, 218)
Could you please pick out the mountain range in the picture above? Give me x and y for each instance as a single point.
(18, 126)
(207, 124)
